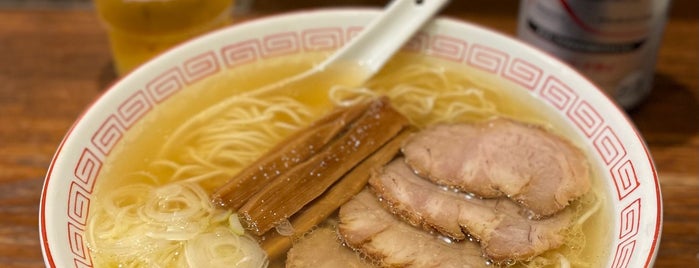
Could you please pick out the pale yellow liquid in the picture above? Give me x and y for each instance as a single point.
(142, 144)
(140, 29)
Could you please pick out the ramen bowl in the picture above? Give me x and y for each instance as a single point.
(623, 167)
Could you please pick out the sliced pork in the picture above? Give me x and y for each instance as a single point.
(504, 231)
(369, 228)
(539, 170)
(322, 249)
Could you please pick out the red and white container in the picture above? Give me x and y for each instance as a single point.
(612, 42)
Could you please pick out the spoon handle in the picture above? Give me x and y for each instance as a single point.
(368, 51)
(381, 38)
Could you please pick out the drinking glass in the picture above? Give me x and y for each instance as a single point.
(140, 29)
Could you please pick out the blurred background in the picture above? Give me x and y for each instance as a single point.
(55, 60)
(266, 6)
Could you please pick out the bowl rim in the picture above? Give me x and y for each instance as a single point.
(274, 19)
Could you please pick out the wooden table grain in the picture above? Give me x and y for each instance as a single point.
(55, 61)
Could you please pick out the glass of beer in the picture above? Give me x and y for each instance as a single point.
(140, 29)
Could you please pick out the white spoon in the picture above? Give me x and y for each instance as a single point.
(370, 49)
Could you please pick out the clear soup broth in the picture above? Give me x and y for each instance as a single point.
(187, 147)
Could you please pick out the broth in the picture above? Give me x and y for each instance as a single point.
(176, 140)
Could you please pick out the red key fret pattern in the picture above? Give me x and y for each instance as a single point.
(551, 89)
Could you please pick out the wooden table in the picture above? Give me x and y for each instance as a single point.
(54, 62)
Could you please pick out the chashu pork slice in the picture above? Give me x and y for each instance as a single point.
(539, 170)
(504, 231)
(322, 248)
(369, 228)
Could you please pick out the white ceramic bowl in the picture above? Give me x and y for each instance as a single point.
(616, 145)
